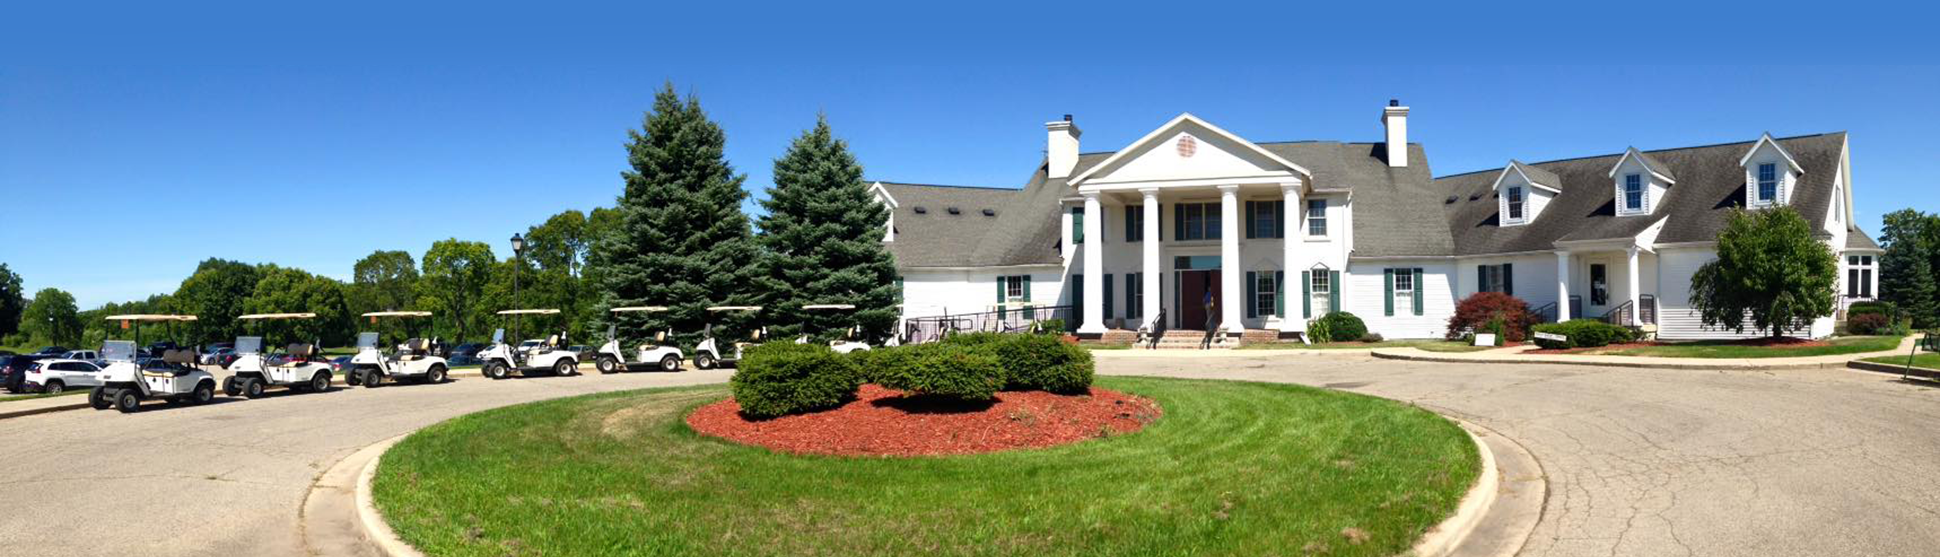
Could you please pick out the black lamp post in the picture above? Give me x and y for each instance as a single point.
(518, 256)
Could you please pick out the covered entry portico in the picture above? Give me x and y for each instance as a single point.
(1611, 280)
(1192, 212)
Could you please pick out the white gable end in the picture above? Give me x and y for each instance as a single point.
(1654, 187)
(1188, 149)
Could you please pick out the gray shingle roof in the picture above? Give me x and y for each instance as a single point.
(1709, 183)
(936, 238)
(1857, 239)
(1537, 175)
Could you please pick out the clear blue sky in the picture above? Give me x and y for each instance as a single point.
(134, 145)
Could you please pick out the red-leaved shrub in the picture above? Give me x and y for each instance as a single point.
(1868, 324)
(1475, 312)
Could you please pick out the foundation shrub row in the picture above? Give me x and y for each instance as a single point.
(782, 378)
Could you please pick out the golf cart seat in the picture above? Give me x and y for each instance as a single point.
(413, 350)
(174, 363)
(301, 352)
(551, 342)
(660, 337)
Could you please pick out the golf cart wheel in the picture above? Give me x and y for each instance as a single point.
(54, 387)
(495, 370)
(669, 362)
(607, 365)
(204, 392)
(252, 387)
(564, 368)
(704, 361)
(229, 386)
(373, 379)
(99, 398)
(354, 378)
(320, 383)
(127, 400)
(436, 375)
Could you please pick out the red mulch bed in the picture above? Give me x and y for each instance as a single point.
(884, 422)
(1763, 341)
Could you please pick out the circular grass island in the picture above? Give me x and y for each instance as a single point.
(1229, 468)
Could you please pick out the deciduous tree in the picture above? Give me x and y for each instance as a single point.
(52, 319)
(452, 284)
(215, 295)
(1771, 271)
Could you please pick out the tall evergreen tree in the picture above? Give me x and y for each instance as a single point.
(682, 240)
(822, 243)
(12, 301)
(1907, 269)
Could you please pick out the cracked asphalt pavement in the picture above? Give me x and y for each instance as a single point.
(1639, 461)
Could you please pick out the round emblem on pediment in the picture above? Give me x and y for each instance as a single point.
(1187, 146)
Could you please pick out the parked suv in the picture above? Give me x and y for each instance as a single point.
(54, 376)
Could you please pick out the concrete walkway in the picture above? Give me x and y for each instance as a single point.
(1517, 355)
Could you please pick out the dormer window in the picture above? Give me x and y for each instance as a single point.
(1767, 184)
(1633, 193)
(1514, 197)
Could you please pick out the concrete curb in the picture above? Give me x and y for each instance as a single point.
(1227, 353)
(1895, 369)
(338, 517)
(375, 529)
(1500, 511)
(1410, 354)
(6, 413)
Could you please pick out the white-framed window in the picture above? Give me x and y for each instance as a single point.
(1493, 278)
(1859, 276)
(1316, 217)
(1514, 198)
(1322, 283)
(1014, 288)
(1265, 292)
(1134, 223)
(1767, 191)
(1404, 288)
(1633, 192)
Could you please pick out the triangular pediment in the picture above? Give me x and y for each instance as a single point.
(1189, 149)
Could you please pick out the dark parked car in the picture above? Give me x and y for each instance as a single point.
(51, 351)
(338, 364)
(157, 348)
(466, 354)
(13, 370)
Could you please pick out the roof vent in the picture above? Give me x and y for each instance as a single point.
(1474, 196)
(920, 210)
(955, 211)
(1450, 200)
(989, 212)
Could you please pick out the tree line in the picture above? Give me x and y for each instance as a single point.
(675, 237)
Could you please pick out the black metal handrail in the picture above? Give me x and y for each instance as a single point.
(931, 328)
(1620, 315)
(1642, 312)
(1576, 307)
(1545, 313)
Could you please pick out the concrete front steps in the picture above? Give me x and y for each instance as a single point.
(1189, 340)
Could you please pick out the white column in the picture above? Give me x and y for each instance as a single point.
(1562, 286)
(1231, 296)
(1636, 311)
(1149, 273)
(1094, 283)
(1290, 195)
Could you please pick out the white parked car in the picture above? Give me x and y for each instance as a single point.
(58, 375)
(83, 355)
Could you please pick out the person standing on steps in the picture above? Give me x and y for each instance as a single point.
(1212, 319)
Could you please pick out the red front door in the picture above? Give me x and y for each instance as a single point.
(1196, 288)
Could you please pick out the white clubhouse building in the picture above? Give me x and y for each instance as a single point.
(1277, 234)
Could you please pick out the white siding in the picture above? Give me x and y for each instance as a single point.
(1366, 297)
(937, 292)
(1679, 321)
(1533, 277)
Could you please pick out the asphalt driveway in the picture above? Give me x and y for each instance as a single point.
(1640, 462)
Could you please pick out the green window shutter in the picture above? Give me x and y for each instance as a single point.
(1108, 298)
(1001, 292)
(1419, 291)
(1252, 295)
(1027, 287)
(1132, 288)
(1508, 279)
(1306, 294)
(1481, 278)
(1388, 275)
(1250, 221)
(899, 291)
(1333, 290)
(1280, 294)
(1178, 222)
(1128, 223)
(1077, 225)
(1280, 219)
(1077, 298)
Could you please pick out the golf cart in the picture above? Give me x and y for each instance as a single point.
(299, 368)
(173, 378)
(416, 359)
(708, 354)
(529, 357)
(650, 356)
(843, 345)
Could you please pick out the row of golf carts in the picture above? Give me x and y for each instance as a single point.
(174, 377)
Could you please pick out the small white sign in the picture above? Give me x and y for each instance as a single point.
(1553, 336)
(1485, 339)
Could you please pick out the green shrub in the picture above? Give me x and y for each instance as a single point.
(1871, 308)
(947, 371)
(1042, 363)
(1584, 333)
(1372, 337)
(782, 378)
(1339, 326)
(974, 339)
(1869, 324)
(1052, 326)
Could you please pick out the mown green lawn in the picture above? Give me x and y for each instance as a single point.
(1927, 360)
(1429, 345)
(1231, 468)
(10, 397)
(1726, 349)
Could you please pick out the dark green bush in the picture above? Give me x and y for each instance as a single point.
(1052, 326)
(1584, 333)
(782, 378)
(1042, 363)
(1871, 308)
(974, 339)
(1869, 324)
(1341, 326)
(945, 371)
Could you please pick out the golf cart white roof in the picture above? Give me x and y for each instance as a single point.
(150, 317)
(734, 308)
(398, 314)
(829, 306)
(278, 316)
(529, 312)
(640, 308)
